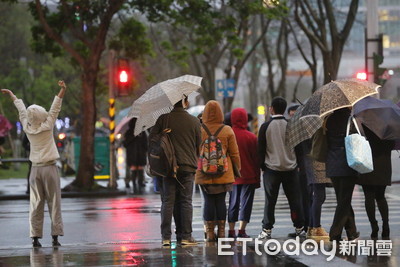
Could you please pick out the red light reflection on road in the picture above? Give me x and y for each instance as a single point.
(129, 222)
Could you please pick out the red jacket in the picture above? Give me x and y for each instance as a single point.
(247, 143)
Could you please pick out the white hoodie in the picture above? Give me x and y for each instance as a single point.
(38, 124)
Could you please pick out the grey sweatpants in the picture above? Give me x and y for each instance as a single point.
(45, 186)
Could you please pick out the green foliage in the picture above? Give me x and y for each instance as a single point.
(204, 25)
(7, 171)
(155, 10)
(41, 43)
(131, 40)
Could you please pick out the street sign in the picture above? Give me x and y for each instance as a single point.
(225, 87)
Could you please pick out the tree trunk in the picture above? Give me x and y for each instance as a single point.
(330, 73)
(253, 86)
(85, 175)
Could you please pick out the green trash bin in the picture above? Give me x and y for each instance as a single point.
(101, 156)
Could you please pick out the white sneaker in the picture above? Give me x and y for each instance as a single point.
(299, 231)
(265, 234)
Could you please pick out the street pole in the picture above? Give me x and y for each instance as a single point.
(111, 112)
(372, 34)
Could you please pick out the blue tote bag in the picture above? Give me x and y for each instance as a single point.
(358, 150)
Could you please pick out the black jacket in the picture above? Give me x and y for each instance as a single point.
(185, 136)
(336, 161)
(382, 158)
(136, 148)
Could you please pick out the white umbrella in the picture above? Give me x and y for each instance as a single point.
(160, 99)
(196, 110)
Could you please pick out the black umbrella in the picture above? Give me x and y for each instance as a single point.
(381, 116)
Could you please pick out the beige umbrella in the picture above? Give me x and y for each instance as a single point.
(336, 95)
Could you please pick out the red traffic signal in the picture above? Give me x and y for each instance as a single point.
(362, 76)
(123, 77)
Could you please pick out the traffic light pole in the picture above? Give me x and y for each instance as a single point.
(371, 38)
(111, 112)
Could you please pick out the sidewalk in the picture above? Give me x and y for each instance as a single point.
(15, 188)
(203, 254)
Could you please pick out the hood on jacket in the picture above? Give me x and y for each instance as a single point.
(213, 112)
(239, 118)
(36, 115)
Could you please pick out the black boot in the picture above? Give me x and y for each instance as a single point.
(375, 229)
(55, 242)
(36, 243)
(140, 175)
(134, 180)
(385, 230)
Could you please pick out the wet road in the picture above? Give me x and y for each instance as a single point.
(125, 231)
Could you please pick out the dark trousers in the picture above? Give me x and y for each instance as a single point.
(344, 214)
(241, 202)
(174, 195)
(372, 193)
(214, 207)
(317, 196)
(290, 183)
(305, 198)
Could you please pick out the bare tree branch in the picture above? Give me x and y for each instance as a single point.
(350, 19)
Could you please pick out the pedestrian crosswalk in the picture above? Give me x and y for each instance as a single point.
(284, 224)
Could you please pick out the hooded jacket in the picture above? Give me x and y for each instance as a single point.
(247, 143)
(213, 118)
(38, 124)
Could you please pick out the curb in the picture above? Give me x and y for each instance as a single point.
(69, 195)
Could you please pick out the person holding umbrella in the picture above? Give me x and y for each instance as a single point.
(176, 193)
(163, 105)
(136, 149)
(374, 183)
(333, 102)
(343, 177)
(38, 125)
(380, 120)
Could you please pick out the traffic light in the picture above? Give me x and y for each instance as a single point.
(378, 72)
(362, 75)
(123, 77)
(261, 110)
(60, 141)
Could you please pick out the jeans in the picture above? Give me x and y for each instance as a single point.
(344, 214)
(214, 207)
(241, 202)
(318, 196)
(290, 183)
(174, 195)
